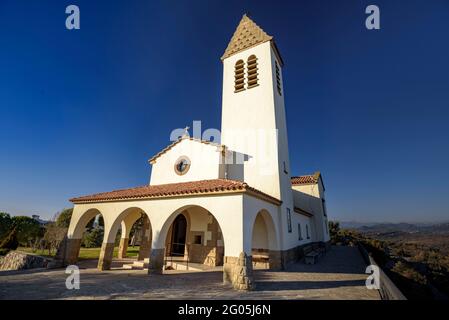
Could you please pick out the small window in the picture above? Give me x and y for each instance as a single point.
(289, 220)
(239, 76)
(307, 231)
(252, 72)
(299, 232)
(278, 78)
(198, 239)
(324, 207)
(285, 168)
(182, 165)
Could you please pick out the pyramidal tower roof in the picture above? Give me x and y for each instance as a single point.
(248, 34)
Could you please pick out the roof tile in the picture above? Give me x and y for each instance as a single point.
(176, 189)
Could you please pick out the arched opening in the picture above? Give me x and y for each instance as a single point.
(252, 72)
(239, 76)
(193, 240)
(86, 239)
(265, 250)
(178, 242)
(131, 234)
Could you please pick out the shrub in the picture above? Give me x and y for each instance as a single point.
(408, 272)
(10, 242)
(93, 238)
(5, 224)
(28, 229)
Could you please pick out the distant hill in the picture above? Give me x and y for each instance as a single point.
(382, 228)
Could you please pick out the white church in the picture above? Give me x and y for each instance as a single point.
(233, 204)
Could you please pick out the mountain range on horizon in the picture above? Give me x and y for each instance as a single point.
(382, 227)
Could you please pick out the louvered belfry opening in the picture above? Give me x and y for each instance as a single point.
(239, 76)
(252, 72)
(278, 78)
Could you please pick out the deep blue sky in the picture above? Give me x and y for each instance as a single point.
(82, 111)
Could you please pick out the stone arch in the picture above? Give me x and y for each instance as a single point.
(162, 234)
(265, 245)
(75, 233)
(83, 220)
(201, 224)
(124, 221)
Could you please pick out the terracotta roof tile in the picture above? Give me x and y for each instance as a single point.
(307, 179)
(202, 187)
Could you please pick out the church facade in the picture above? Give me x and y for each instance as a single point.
(233, 204)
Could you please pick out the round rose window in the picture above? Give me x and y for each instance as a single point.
(182, 165)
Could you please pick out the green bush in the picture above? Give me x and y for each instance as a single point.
(28, 229)
(5, 224)
(93, 238)
(10, 242)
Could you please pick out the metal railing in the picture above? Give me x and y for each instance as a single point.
(171, 254)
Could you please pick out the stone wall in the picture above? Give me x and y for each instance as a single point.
(106, 254)
(67, 253)
(238, 271)
(19, 261)
(156, 261)
(123, 248)
(145, 243)
(211, 251)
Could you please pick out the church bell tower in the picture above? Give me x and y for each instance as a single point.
(253, 115)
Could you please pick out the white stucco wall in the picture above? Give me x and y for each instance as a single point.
(227, 209)
(309, 197)
(204, 158)
(252, 207)
(260, 234)
(261, 112)
(249, 125)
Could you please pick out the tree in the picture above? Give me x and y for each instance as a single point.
(5, 224)
(53, 236)
(63, 218)
(93, 238)
(27, 228)
(334, 229)
(10, 242)
(101, 221)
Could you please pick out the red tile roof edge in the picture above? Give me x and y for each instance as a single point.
(306, 179)
(191, 188)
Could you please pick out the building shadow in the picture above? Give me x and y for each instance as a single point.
(306, 285)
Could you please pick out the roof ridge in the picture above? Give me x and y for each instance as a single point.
(178, 188)
(171, 145)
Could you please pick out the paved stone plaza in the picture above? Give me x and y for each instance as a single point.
(337, 275)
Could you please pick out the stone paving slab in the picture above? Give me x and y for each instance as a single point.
(337, 275)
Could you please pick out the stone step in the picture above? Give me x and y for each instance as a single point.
(182, 265)
(140, 264)
(136, 265)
